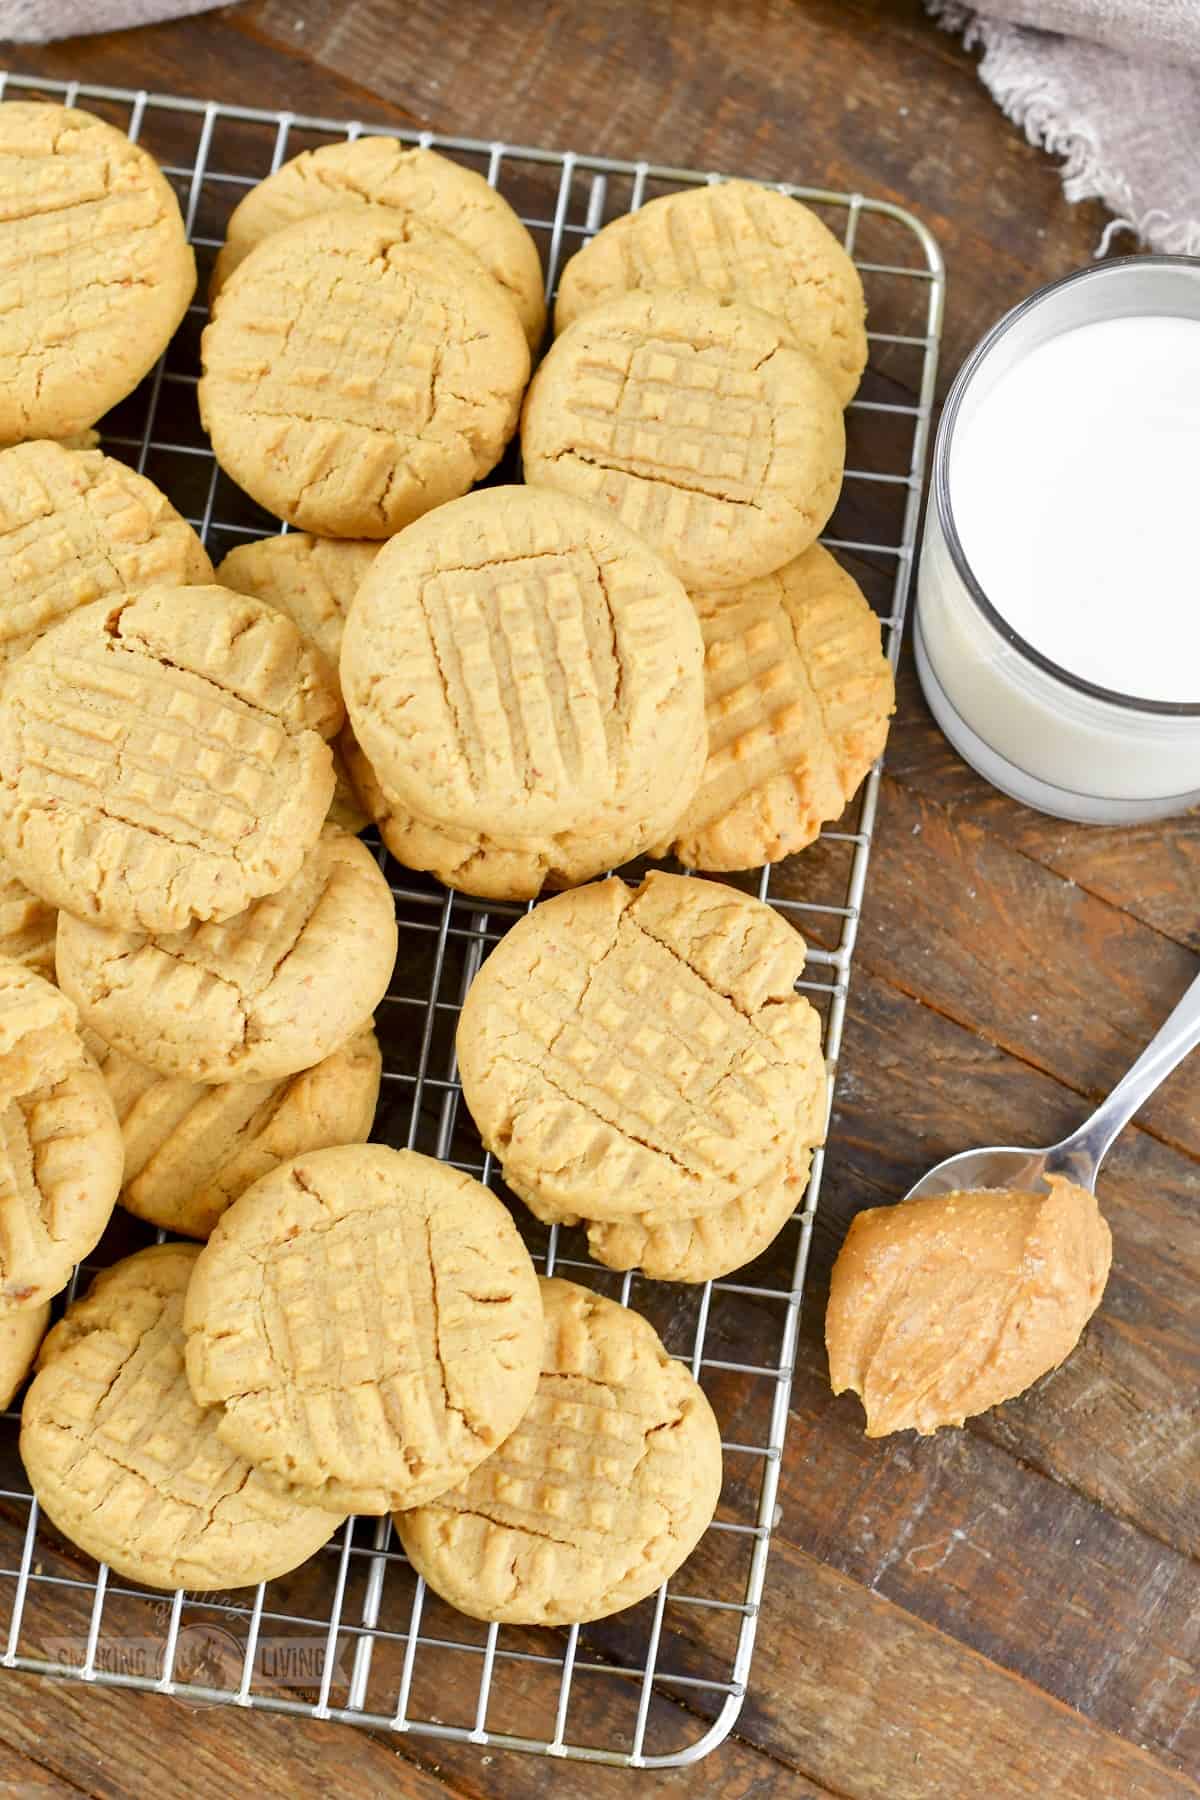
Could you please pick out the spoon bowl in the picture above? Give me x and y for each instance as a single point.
(1002, 1166)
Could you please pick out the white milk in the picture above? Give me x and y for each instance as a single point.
(1068, 470)
(1076, 491)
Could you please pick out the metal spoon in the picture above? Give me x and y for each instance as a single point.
(1079, 1156)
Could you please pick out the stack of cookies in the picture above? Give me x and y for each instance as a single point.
(639, 649)
(365, 1331)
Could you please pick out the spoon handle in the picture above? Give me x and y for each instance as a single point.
(1178, 1034)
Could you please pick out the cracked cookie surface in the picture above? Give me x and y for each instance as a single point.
(597, 1497)
(126, 1464)
(381, 171)
(642, 1051)
(352, 381)
(524, 676)
(253, 998)
(95, 264)
(162, 759)
(76, 526)
(733, 237)
(697, 423)
(369, 1321)
(192, 1149)
(60, 1144)
(798, 694)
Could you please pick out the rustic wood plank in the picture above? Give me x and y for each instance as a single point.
(1151, 871)
(1048, 971)
(23, 1778)
(885, 1707)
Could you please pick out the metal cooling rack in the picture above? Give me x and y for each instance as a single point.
(353, 1635)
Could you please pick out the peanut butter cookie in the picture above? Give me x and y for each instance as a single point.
(697, 423)
(162, 758)
(27, 925)
(60, 1144)
(737, 238)
(311, 579)
(477, 864)
(353, 381)
(524, 675)
(627, 1052)
(253, 998)
(711, 1244)
(96, 267)
(125, 1463)
(77, 526)
(598, 1496)
(191, 1148)
(20, 1335)
(368, 1320)
(381, 171)
(798, 695)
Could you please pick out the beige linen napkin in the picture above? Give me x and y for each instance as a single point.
(1112, 86)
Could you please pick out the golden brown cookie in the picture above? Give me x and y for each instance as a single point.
(20, 1335)
(126, 1464)
(369, 1321)
(347, 810)
(943, 1307)
(353, 381)
(87, 439)
(27, 925)
(697, 423)
(798, 695)
(601, 1492)
(96, 268)
(713, 1243)
(524, 675)
(191, 1148)
(253, 998)
(476, 864)
(60, 1144)
(311, 579)
(77, 526)
(162, 758)
(628, 1052)
(736, 238)
(381, 171)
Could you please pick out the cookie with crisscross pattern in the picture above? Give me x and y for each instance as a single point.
(369, 1322)
(162, 758)
(599, 1494)
(123, 1460)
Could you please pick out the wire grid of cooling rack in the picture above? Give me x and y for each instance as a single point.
(353, 1635)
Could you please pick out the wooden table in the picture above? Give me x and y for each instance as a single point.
(1013, 1609)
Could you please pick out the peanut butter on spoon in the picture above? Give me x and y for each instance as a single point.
(940, 1308)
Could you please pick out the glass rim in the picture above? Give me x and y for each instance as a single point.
(941, 487)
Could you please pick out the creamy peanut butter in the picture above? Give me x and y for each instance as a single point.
(941, 1308)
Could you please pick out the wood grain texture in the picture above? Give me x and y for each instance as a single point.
(1009, 1611)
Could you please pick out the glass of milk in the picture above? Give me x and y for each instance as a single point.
(1058, 601)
